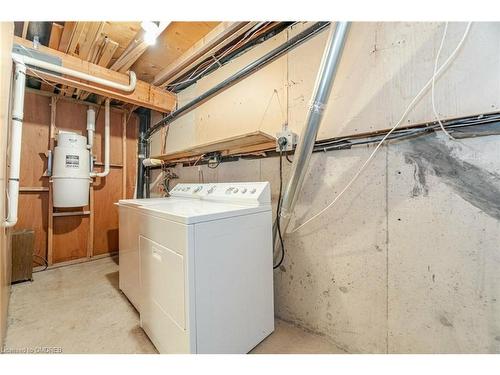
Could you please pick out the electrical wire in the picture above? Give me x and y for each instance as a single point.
(46, 263)
(278, 213)
(245, 38)
(434, 81)
(288, 158)
(405, 113)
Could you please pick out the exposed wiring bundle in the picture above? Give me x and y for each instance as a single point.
(430, 83)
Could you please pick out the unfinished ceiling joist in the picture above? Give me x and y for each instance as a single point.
(134, 50)
(144, 95)
(210, 43)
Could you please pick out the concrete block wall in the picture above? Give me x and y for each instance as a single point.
(407, 261)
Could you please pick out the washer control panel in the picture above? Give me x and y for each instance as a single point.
(238, 192)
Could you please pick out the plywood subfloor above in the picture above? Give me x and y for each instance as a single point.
(245, 143)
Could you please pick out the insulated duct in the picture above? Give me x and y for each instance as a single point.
(324, 82)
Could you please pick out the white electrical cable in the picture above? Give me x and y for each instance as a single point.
(436, 115)
(417, 97)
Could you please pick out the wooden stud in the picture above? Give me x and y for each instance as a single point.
(134, 50)
(55, 35)
(75, 38)
(88, 44)
(67, 35)
(90, 39)
(71, 213)
(50, 230)
(70, 100)
(33, 189)
(78, 33)
(108, 49)
(144, 95)
(25, 29)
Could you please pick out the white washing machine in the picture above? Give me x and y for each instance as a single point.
(198, 266)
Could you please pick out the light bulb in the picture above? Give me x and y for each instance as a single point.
(150, 38)
(151, 32)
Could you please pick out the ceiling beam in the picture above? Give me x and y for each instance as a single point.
(67, 35)
(103, 58)
(208, 44)
(134, 50)
(144, 95)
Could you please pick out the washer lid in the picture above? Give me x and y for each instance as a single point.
(190, 211)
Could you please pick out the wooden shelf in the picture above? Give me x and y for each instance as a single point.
(245, 143)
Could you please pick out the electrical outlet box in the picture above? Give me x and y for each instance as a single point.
(291, 140)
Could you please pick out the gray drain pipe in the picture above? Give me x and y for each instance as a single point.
(324, 82)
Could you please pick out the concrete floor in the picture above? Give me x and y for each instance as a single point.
(79, 309)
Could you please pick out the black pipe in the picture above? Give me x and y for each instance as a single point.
(243, 73)
(225, 59)
(142, 146)
(478, 125)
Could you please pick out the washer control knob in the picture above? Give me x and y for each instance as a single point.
(211, 190)
(253, 191)
(235, 190)
(243, 191)
(229, 190)
(197, 189)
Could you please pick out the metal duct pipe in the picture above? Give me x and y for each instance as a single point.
(238, 76)
(324, 82)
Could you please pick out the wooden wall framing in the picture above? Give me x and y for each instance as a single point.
(77, 234)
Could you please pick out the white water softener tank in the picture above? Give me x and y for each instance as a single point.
(70, 171)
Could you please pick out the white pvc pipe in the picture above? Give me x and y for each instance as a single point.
(15, 142)
(20, 62)
(90, 127)
(106, 143)
(90, 135)
(84, 76)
